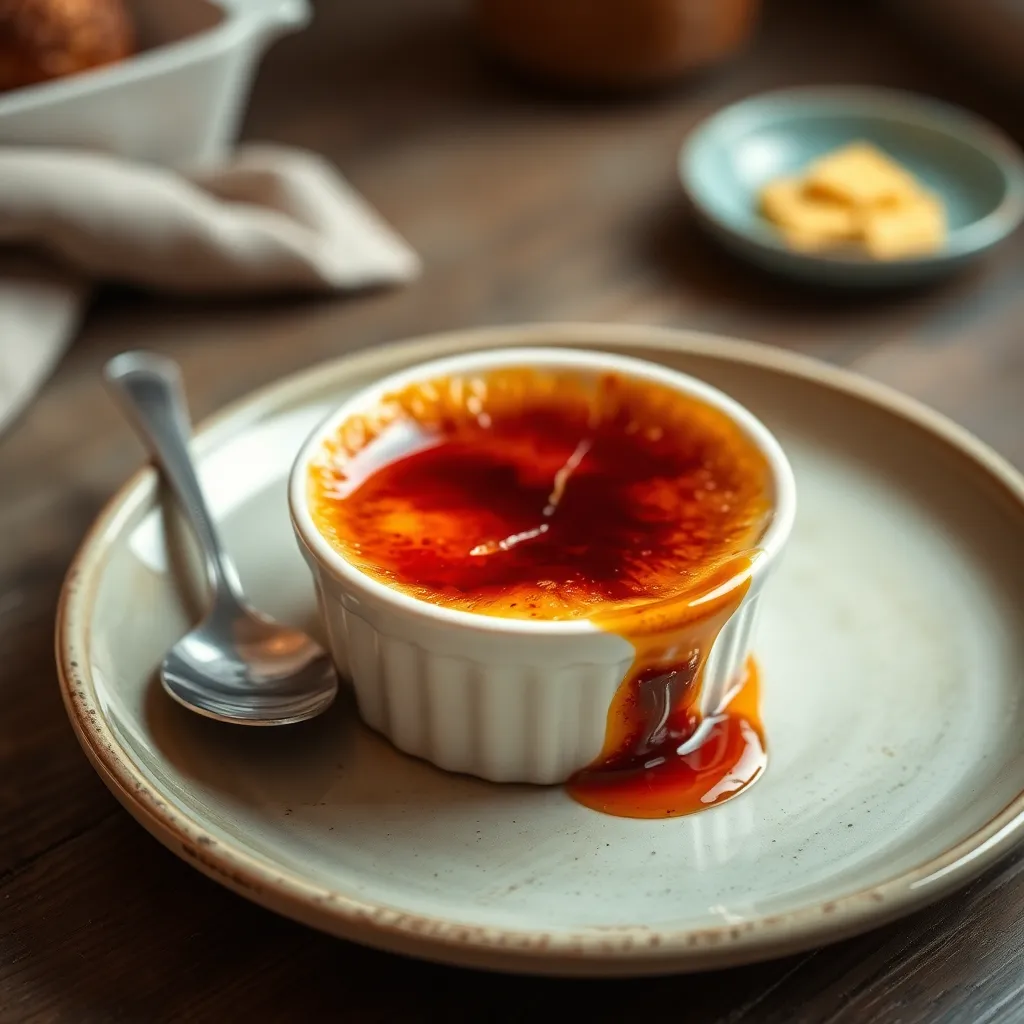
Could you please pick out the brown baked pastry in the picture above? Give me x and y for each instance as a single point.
(45, 39)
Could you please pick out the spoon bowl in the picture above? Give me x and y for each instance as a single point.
(248, 669)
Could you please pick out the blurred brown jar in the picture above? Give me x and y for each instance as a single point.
(616, 44)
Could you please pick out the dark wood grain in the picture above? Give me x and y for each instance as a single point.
(524, 206)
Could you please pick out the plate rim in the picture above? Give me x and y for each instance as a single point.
(622, 950)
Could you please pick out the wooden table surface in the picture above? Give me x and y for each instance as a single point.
(524, 207)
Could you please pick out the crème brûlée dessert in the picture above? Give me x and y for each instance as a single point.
(540, 495)
(567, 504)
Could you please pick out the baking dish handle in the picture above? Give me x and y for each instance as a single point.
(273, 15)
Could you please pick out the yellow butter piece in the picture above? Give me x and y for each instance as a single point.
(808, 222)
(810, 241)
(916, 227)
(856, 194)
(860, 174)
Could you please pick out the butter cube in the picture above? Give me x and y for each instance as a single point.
(916, 227)
(808, 222)
(860, 175)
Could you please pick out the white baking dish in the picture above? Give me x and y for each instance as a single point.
(179, 101)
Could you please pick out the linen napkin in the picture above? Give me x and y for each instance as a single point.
(270, 219)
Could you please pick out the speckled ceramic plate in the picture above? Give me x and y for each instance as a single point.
(893, 666)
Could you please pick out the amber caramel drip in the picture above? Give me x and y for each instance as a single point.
(553, 496)
(647, 769)
(730, 755)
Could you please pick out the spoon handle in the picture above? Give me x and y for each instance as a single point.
(149, 390)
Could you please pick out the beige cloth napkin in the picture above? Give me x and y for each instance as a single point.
(272, 219)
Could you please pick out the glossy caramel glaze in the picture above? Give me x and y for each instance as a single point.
(683, 766)
(540, 495)
(548, 495)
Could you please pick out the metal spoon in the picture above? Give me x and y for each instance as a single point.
(236, 665)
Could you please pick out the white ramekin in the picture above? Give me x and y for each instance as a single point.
(508, 700)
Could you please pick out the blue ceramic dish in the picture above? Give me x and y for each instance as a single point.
(974, 168)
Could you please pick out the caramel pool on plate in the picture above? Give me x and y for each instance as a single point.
(548, 495)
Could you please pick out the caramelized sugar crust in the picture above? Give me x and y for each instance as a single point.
(540, 494)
